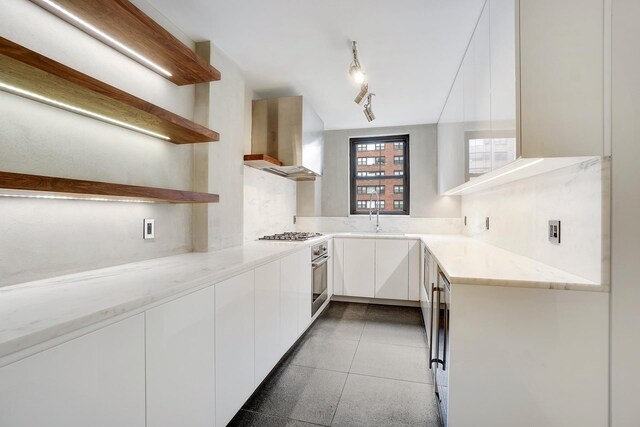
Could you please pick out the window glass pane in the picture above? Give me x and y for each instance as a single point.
(378, 175)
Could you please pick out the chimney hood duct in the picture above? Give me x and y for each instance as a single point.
(286, 138)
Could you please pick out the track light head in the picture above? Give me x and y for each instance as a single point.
(364, 89)
(368, 111)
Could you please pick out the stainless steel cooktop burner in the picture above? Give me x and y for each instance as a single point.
(292, 236)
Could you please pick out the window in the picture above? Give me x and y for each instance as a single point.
(370, 189)
(371, 161)
(369, 174)
(378, 163)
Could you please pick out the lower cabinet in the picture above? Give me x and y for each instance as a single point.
(377, 268)
(234, 345)
(180, 361)
(359, 267)
(295, 307)
(97, 380)
(392, 269)
(268, 341)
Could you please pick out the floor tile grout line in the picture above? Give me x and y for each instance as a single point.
(350, 365)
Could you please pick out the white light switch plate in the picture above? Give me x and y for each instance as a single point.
(149, 230)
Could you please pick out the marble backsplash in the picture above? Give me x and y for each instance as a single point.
(269, 203)
(388, 224)
(519, 212)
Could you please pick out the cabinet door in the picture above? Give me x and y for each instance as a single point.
(338, 266)
(234, 337)
(392, 269)
(562, 77)
(295, 294)
(94, 380)
(415, 265)
(180, 355)
(451, 137)
(359, 267)
(503, 67)
(267, 314)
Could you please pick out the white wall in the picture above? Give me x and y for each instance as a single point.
(519, 213)
(425, 201)
(42, 238)
(625, 250)
(269, 203)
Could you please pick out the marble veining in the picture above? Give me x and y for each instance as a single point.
(388, 224)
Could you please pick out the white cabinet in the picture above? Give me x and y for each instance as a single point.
(562, 47)
(180, 361)
(97, 379)
(234, 345)
(295, 305)
(542, 354)
(531, 85)
(377, 268)
(268, 343)
(392, 269)
(359, 267)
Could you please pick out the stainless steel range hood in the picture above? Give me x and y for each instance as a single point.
(286, 138)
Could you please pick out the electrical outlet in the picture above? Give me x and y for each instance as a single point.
(465, 220)
(149, 229)
(486, 223)
(554, 231)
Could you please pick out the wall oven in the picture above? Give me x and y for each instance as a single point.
(439, 344)
(319, 266)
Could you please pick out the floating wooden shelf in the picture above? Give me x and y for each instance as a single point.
(123, 22)
(23, 185)
(29, 74)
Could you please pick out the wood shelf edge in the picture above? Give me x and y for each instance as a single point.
(126, 23)
(18, 183)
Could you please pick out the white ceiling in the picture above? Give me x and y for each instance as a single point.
(410, 50)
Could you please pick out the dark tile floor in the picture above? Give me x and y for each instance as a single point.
(358, 365)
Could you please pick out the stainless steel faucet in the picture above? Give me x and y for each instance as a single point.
(377, 209)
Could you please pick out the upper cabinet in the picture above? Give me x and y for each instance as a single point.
(530, 87)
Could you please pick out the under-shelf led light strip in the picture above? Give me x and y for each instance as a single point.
(92, 199)
(44, 99)
(107, 37)
(451, 193)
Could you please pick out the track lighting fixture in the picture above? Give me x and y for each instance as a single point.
(355, 70)
(364, 89)
(368, 111)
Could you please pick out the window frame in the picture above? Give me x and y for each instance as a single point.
(390, 139)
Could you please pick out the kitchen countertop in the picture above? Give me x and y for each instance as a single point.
(35, 312)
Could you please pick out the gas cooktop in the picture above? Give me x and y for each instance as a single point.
(292, 236)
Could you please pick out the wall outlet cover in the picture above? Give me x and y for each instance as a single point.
(554, 231)
(149, 230)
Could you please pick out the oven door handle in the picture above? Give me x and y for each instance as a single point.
(316, 264)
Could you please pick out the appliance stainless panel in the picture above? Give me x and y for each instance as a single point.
(441, 356)
(319, 266)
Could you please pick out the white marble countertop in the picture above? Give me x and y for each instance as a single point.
(35, 312)
(469, 261)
